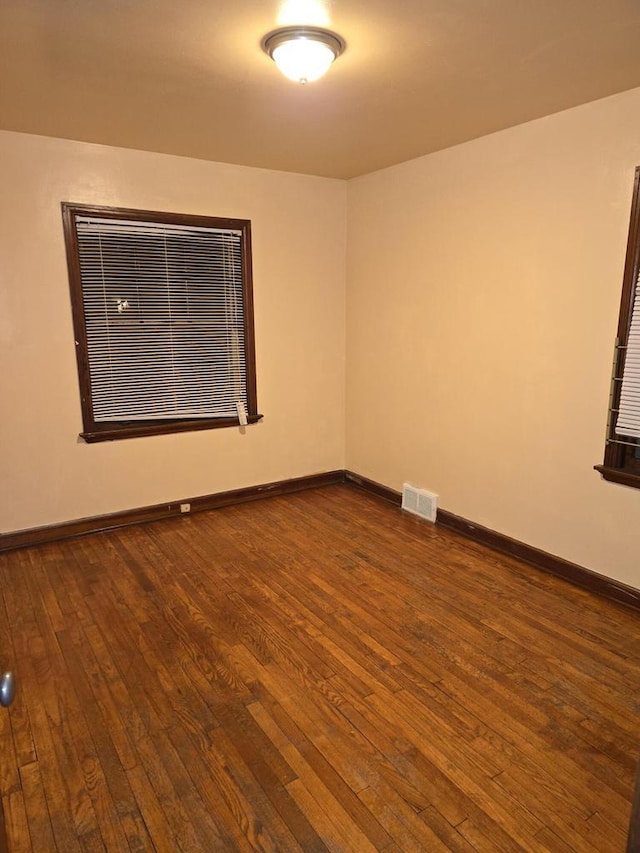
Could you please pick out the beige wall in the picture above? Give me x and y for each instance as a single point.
(47, 474)
(482, 300)
(483, 291)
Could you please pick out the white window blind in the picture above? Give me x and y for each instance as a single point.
(164, 319)
(628, 422)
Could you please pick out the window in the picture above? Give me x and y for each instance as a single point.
(622, 452)
(163, 319)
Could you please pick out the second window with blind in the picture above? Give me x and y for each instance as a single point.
(163, 319)
(622, 453)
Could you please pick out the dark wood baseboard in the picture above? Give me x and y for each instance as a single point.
(372, 487)
(575, 574)
(96, 524)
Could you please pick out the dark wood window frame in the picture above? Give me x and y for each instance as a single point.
(94, 430)
(622, 454)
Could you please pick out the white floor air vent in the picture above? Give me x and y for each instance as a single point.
(419, 502)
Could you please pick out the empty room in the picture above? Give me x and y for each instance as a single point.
(320, 432)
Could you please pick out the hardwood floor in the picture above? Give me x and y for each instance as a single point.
(311, 672)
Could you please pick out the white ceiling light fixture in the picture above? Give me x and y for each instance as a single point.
(303, 54)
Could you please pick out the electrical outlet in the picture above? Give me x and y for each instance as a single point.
(185, 507)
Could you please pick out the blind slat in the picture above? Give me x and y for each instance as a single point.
(628, 422)
(164, 318)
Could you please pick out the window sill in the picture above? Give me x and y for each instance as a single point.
(114, 432)
(617, 475)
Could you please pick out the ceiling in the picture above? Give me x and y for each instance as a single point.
(188, 77)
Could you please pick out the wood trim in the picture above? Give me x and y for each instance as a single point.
(619, 475)
(575, 574)
(93, 430)
(373, 488)
(615, 455)
(111, 431)
(249, 323)
(96, 524)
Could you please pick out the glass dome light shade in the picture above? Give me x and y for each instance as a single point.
(303, 60)
(303, 54)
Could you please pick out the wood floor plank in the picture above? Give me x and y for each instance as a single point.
(260, 821)
(181, 804)
(536, 743)
(136, 833)
(216, 792)
(317, 762)
(448, 834)
(39, 821)
(4, 844)
(312, 672)
(152, 812)
(398, 819)
(9, 772)
(16, 822)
